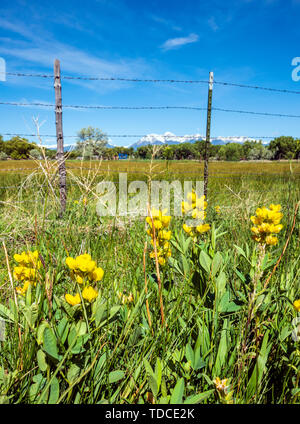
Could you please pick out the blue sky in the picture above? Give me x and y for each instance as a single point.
(243, 41)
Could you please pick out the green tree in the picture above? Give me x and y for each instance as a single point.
(35, 153)
(91, 142)
(231, 152)
(18, 147)
(285, 148)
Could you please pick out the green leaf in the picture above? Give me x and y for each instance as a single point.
(63, 329)
(28, 296)
(6, 313)
(241, 251)
(100, 313)
(158, 373)
(50, 345)
(205, 261)
(221, 283)
(79, 345)
(260, 367)
(152, 378)
(198, 362)
(41, 359)
(54, 391)
(222, 350)
(189, 354)
(285, 332)
(40, 331)
(198, 398)
(177, 394)
(115, 376)
(31, 314)
(73, 373)
(216, 263)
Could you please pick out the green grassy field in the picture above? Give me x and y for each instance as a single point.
(221, 306)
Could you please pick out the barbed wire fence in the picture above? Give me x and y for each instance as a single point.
(58, 107)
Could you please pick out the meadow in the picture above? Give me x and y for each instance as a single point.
(135, 310)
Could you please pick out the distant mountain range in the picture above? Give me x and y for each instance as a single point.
(170, 138)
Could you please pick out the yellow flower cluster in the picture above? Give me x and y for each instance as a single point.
(195, 207)
(297, 305)
(266, 223)
(162, 236)
(26, 271)
(218, 209)
(84, 271)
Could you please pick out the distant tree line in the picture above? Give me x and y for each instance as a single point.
(20, 148)
(92, 144)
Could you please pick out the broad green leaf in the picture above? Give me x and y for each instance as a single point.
(41, 359)
(54, 391)
(100, 314)
(198, 398)
(189, 354)
(198, 362)
(73, 373)
(152, 378)
(177, 394)
(216, 263)
(40, 331)
(79, 345)
(221, 283)
(205, 261)
(50, 345)
(115, 376)
(6, 313)
(63, 329)
(222, 350)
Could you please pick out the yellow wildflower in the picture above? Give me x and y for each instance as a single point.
(266, 223)
(73, 300)
(89, 293)
(297, 305)
(195, 207)
(161, 222)
(97, 274)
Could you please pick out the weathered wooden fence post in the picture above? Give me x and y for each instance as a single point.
(207, 141)
(60, 138)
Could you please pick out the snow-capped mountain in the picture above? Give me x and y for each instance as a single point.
(170, 138)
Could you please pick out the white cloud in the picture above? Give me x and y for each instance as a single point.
(212, 23)
(40, 48)
(174, 43)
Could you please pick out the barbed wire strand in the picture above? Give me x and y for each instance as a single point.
(150, 107)
(96, 78)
